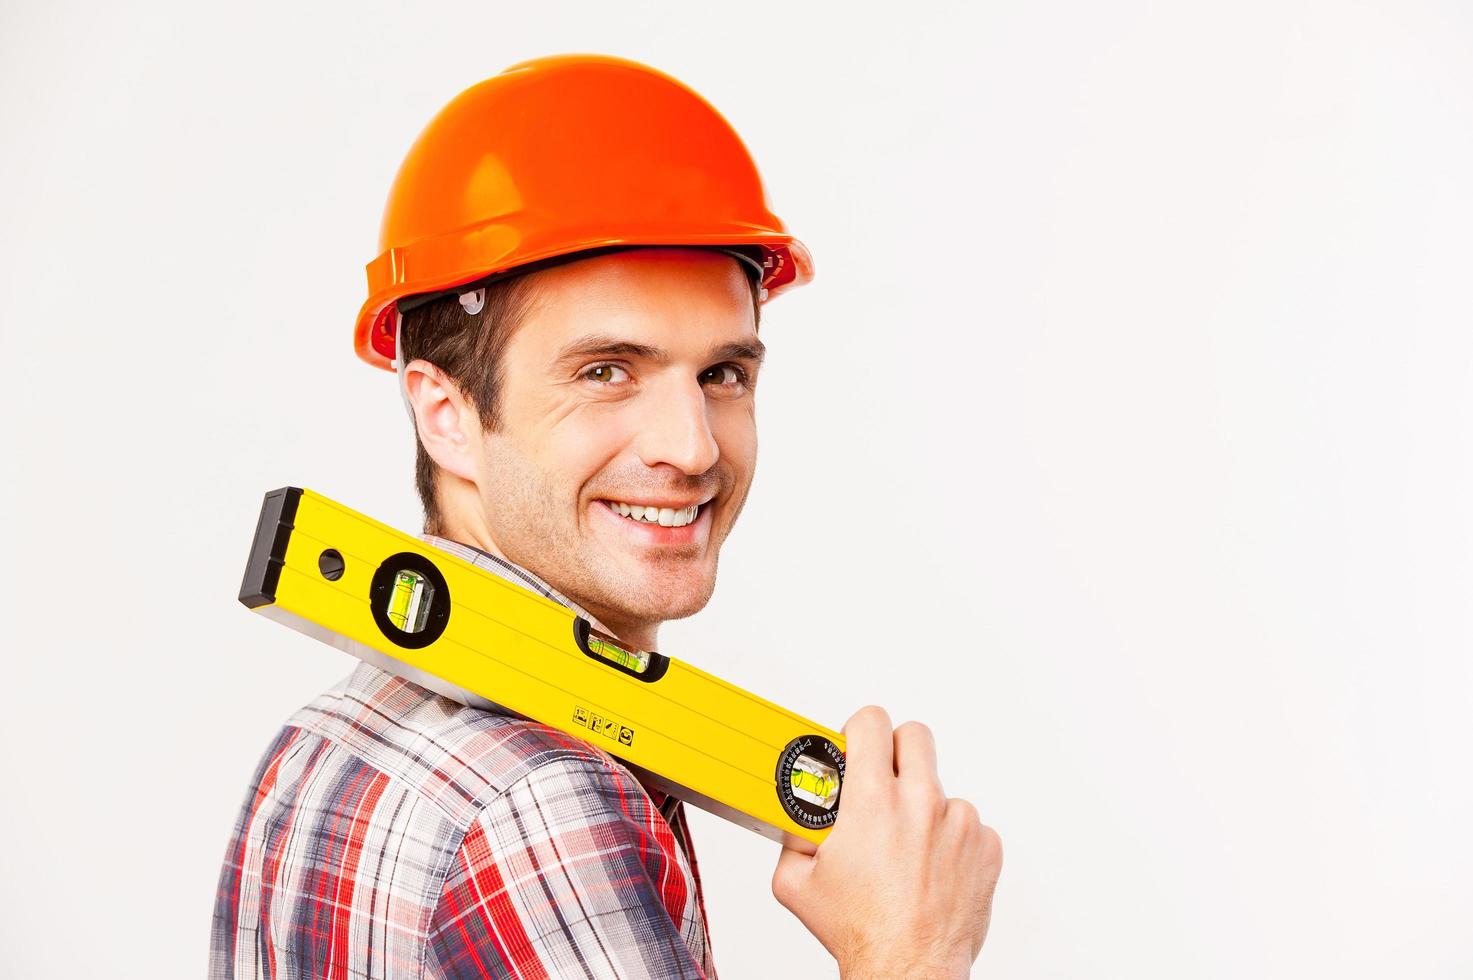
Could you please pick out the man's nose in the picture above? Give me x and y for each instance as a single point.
(674, 428)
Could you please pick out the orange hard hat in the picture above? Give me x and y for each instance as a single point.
(558, 155)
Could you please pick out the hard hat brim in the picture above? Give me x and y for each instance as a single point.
(788, 265)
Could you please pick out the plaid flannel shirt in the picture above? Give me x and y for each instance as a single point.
(390, 832)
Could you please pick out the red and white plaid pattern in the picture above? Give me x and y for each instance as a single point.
(390, 832)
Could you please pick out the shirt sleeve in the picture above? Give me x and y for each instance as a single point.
(571, 872)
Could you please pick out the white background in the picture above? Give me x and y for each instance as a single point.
(1123, 437)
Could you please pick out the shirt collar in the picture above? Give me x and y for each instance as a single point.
(513, 573)
(518, 575)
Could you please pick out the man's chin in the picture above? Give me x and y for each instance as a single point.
(673, 607)
(669, 597)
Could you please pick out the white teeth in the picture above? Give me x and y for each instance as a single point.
(663, 516)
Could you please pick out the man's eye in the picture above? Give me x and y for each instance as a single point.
(724, 374)
(606, 373)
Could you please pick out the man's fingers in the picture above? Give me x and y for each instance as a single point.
(915, 753)
(869, 748)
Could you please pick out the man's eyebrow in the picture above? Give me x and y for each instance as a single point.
(598, 346)
(601, 346)
(753, 350)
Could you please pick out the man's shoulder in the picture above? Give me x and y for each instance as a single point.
(375, 798)
(383, 802)
(457, 758)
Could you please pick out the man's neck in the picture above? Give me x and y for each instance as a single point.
(642, 636)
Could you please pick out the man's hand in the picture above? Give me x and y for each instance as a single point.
(902, 886)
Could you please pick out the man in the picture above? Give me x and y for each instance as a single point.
(576, 253)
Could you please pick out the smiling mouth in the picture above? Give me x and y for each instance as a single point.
(650, 514)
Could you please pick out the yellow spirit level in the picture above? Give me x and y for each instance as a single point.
(395, 601)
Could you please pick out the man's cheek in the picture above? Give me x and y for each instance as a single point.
(582, 450)
(736, 438)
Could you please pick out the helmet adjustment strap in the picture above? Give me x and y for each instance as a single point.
(398, 365)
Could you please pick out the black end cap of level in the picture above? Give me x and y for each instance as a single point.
(268, 548)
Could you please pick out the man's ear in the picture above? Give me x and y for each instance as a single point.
(446, 420)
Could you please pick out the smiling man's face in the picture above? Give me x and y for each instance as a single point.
(628, 432)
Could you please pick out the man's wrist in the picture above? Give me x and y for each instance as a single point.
(917, 967)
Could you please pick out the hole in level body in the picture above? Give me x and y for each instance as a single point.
(330, 564)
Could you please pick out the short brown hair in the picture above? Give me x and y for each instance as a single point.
(469, 348)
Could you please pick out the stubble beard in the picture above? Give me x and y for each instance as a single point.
(540, 531)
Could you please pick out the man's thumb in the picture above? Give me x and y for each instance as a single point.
(793, 869)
